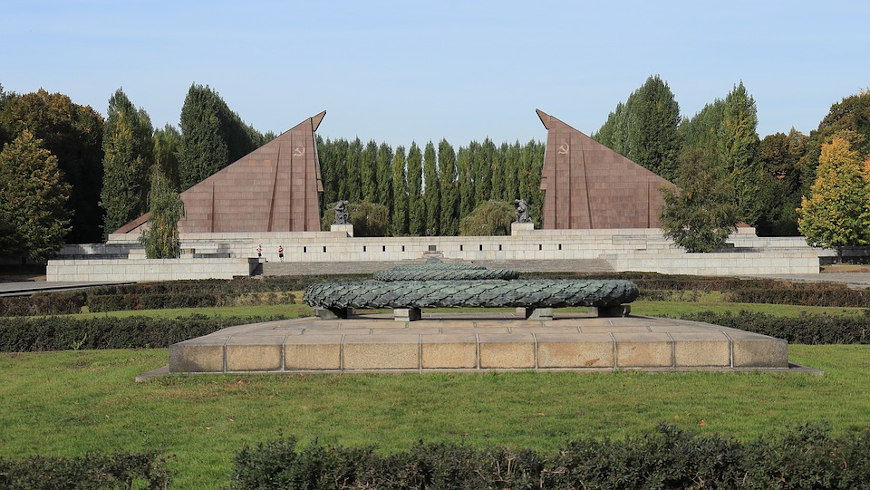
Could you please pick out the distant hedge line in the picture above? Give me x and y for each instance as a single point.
(171, 294)
(804, 329)
(64, 333)
(801, 457)
(116, 470)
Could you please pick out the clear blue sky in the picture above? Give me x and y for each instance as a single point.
(464, 70)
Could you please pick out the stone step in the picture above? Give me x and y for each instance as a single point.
(272, 268)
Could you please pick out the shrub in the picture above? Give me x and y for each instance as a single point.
(804, 329)
(59, 333)
(491, 218)
(117, 470)
(802, 457)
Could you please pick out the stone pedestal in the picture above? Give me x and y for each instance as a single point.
(521, 228)
(407, 314)
(346, 229)
(537, 313)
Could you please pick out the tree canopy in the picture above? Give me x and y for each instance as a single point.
(33, 199)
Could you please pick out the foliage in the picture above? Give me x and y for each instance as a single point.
(162, 240)
(33, 199)
(465, 183)
(136, 332)
(492, 218)
(369, 172)
(431, 191)
(128, 156)
(414, 182)
(738, 152)
(115, 470)
(838, 212)
(782, 178)
(73, 133)
(701, 215)
(644, 128)
(805, 329)
(167, 144)
(367, 218)
(213, 136)
(802, 456)
(448, 223)
(384, 176)
(399, 190)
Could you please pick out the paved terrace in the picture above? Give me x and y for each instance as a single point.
(467, 342)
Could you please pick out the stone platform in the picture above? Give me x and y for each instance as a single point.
(477, 342)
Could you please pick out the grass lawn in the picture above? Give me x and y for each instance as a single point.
(69, 403)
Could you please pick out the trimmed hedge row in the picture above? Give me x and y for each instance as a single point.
(817, 295)
(117, 470)
(169, 294)
(802, 457)
(804, 329)
(60, 333)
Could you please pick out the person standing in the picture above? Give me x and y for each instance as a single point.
(259, 251)
(281, 253)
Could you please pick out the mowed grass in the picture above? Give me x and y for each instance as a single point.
(69, 403)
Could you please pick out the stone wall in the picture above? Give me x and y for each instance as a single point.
(224, 255)
(138, 270)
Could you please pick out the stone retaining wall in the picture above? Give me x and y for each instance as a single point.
(124, 270)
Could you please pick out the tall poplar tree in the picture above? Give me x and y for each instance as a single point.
(353, 162)
(369, 172)
(645, 128)
(167, 144)
(385, 176)
(128, 150)
(448, 222)
(497, 190)
(431, 190)
(34, 216)
(204, 150)
(399, 221)
(465, 184)
(416, 206)
(738, 151)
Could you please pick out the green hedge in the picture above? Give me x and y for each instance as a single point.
(60, 333)
(800, 457)
(117, 470)
(205, 293)
(804, 329)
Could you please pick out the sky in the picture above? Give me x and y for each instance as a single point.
(419, 71)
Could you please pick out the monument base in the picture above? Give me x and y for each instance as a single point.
(345, 229)
(520, 228)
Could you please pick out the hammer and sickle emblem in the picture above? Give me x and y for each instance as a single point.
(563, 149)
(298, 151)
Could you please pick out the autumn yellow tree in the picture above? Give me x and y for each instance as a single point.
(837, 212)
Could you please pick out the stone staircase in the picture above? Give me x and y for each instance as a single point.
(314, 268)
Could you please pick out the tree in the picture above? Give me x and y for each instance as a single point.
(491, 218)
(700, 216)
(645, 128)
(416, 206)
(385, 177)
(399, 219)
(836, 213)
(780, 158)
(203, 149)
(33, 199)
(448, 224)
(353, 162)
(431, 190)
(465, 183)
(73, 134)
(367, 218)
(369, 172)
(738, 151)
(161, 240)
(167, 144)
(128, 155)
(213, 136)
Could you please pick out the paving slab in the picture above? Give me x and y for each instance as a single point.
(469, 342)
